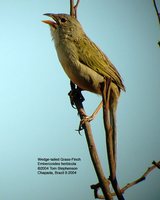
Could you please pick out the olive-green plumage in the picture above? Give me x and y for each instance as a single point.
(84, 63)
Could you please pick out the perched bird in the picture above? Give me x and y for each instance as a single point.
(84, 63)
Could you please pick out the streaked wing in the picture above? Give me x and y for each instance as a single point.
(93, 57)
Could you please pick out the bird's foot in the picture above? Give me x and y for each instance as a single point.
(86, 119)
(75, 96)
(83, 121)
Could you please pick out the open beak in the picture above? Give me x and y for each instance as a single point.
(54, 23)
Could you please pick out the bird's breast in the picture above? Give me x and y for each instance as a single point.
(78, 73)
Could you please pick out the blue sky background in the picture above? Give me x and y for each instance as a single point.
(36, 118)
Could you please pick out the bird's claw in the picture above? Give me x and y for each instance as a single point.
(83, 121)
(75, 94)
(72, 99)
(86, 119)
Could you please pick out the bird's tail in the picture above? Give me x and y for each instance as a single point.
(114, 132)
(112, 113)
(112, 162)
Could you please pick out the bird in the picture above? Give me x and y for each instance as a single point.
(84, 62)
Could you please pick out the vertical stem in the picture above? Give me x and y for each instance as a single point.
(104, 183)
(72, 7)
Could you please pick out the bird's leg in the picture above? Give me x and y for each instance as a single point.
(76, 93)
(91, 117)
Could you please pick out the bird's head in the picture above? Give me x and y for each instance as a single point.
(63, 24)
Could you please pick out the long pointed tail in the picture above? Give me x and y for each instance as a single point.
(114, 95)
(113, 107)
(110, 95)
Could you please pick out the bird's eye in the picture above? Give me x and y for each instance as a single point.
(63, 20)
